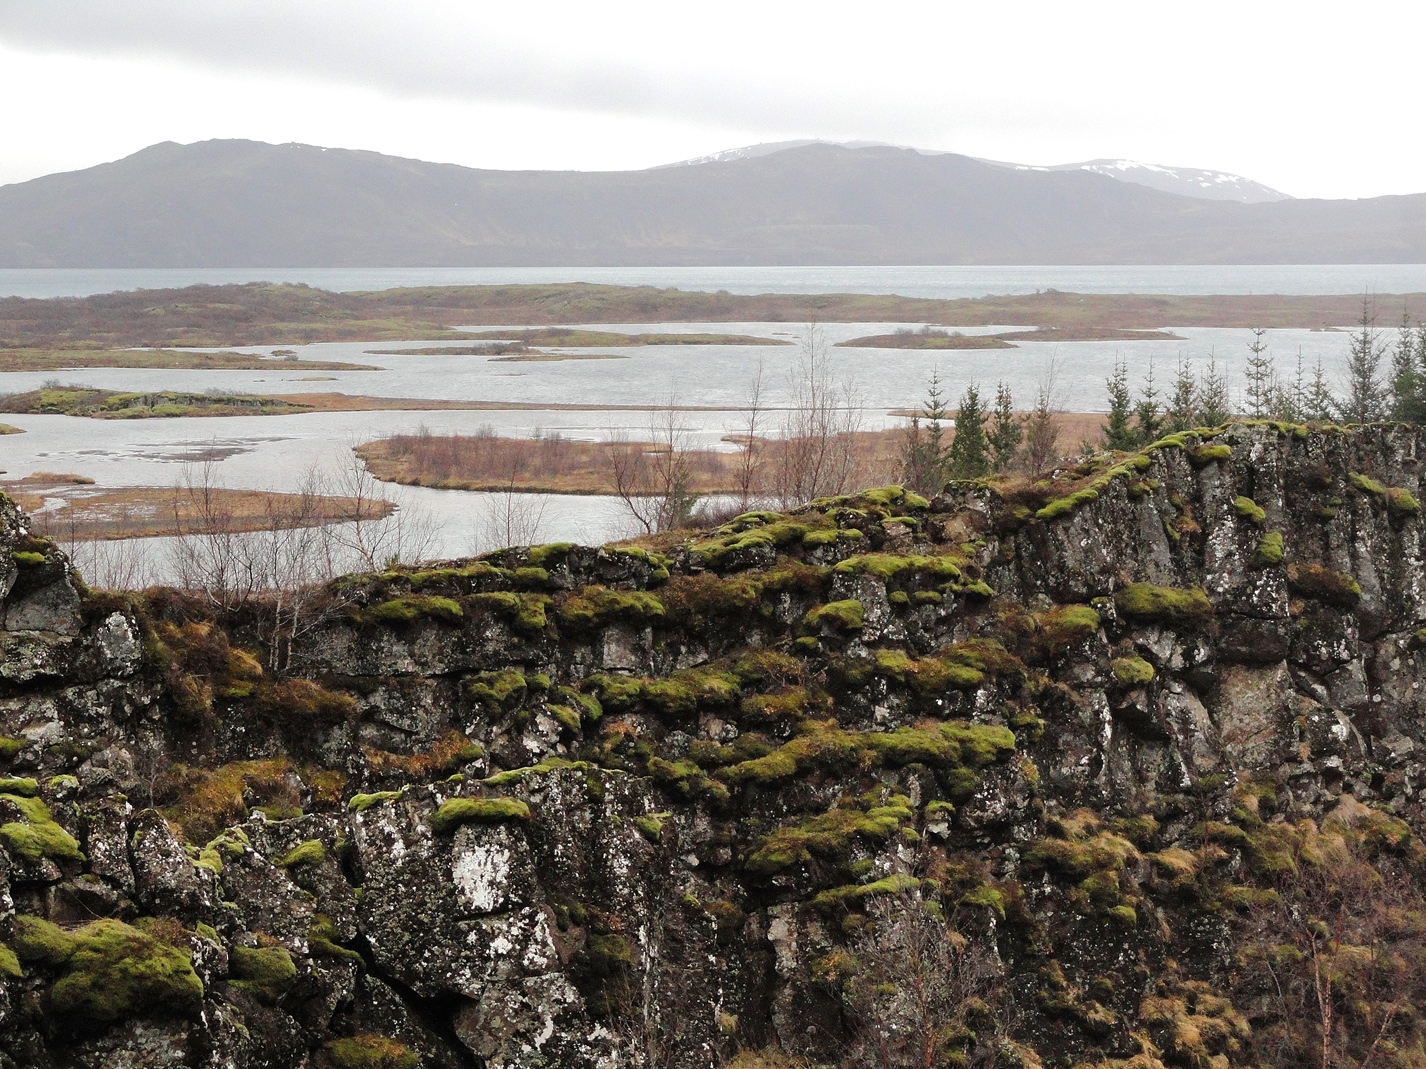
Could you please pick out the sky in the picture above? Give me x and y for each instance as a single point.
(1313, 99)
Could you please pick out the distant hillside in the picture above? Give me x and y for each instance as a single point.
(248, 204)
(1185, 181)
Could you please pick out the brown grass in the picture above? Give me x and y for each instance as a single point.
(63, 359)
(148, 511)
(557, 465)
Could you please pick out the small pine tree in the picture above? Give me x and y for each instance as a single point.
(1320, 404)
(1148, 420)
(1006, 430)
(1407, 402)
(1213, 395)
(1118, 433)
(1366, 400)
(923, 452)
(1289, 401)
(968, 452)
(1260, 389)
(1182, 412)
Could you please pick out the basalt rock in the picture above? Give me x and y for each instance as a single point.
(1050, 756)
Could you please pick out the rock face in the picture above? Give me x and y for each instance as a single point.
(1071, 772)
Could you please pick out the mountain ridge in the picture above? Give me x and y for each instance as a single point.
(242, 203)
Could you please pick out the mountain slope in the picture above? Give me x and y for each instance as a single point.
(242, 203)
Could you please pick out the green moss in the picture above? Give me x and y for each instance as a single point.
(890, 566)
(36, 835)
(414, 607)
(828, 836)
(9, 963)
(854, 894)
(595, 606)
(10, 748)
(497, 690)
(1269, 551)
(1248, 509)
(1324, 584)
(265, 972)
(544, 768)
(323, 941)
(370, 1052)
(452, 814)
(526, 612)
(650, 825)
(361, 802)
(1164, 604)
(1066, 626)
(542, 555)
(20, 785)
(1066, 505)
(27, 559)
(43, 943)
(846, 615)
(1366, 484)
(112, 970)
(1132, 671)
(949, 745)
(1201, 456)
(312, 852)
(1401, 502)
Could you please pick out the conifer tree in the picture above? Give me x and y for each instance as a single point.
(1260, 388)
(1118, 433)
(1148, 421)
(968, 452)
(1407, 403)
(924, 461)
(1366, 399)
(1319, 405)
(1213, 395)
(1182, 412)
(1006, 430)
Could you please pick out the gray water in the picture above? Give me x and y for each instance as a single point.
(938, 282)
(277, 452)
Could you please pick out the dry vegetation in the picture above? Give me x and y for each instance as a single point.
(78, 510)
(558, 465)
(62, 359)
(263, 313)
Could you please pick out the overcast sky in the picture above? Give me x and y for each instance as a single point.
(1313, 99)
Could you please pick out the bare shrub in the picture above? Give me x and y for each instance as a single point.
(817, 454)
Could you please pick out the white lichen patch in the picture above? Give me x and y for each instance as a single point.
(482, 876)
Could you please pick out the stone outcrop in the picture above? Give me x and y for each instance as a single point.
(1062, 748)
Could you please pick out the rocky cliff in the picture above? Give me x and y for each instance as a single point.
(1118, 766)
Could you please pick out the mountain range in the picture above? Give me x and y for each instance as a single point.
(231, 203)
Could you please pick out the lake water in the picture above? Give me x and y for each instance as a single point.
(941, 282)
(275, 452)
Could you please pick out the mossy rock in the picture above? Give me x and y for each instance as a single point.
(1269, 550)
(1324, 584)
(370, 1052)
(1066, 626)
(1200, 456)
(843, 616)
(36, 834)
(1176, 606)
(596, 606)
(415, 607)
(1249, 509)
(1132, 671)
(457, 811)
(311, 852)
(112, 970)
(264, 972)
(359, 803)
